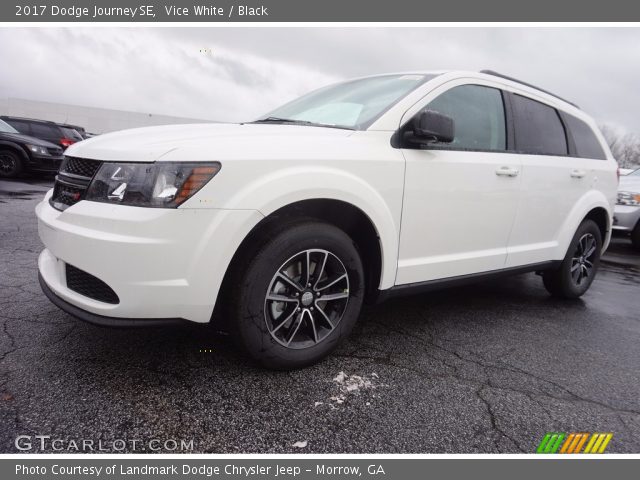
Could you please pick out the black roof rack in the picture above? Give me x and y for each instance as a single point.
(496, 74)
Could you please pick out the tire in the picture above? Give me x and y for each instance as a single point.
(10, 164)
(635, 237)
(285, 335)
(580, 265)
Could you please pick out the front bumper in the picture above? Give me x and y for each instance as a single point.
(42, 163)
(161, 263)
(625, 217)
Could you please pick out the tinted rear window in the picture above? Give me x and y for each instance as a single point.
(538, 129)
(587, 144)
(71, 133)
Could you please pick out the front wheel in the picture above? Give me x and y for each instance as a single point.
(299, 296)
(10, 164)
(579, 267)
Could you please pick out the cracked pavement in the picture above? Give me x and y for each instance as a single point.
(480, 369)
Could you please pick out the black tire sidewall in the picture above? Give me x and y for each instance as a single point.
(635, 236)
(571, 289)
(251, 326)
(17, 162)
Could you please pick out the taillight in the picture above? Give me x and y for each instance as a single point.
(65, 142)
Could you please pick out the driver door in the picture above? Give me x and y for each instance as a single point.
(460, 198)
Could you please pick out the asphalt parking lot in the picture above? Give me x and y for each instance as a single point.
(480, 369)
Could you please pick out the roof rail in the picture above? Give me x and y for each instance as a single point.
(496, 74)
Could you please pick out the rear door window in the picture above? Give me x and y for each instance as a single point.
(538, 128)
(43, 130)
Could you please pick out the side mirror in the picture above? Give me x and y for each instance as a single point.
(431, 126)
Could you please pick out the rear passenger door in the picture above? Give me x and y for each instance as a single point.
(552, 180)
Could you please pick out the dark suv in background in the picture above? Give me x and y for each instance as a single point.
(20, 153)
(59, 134)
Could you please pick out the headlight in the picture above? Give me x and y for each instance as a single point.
(149, 184)
(628, 198)
(38, 149)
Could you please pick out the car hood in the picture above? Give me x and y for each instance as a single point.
(21, 138)
(629, 184)
(219, 140)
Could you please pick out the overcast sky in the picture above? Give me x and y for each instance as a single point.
(234, 74)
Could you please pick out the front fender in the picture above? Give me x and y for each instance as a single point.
(280, 188)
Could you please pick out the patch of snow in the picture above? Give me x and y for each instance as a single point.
(302, 444)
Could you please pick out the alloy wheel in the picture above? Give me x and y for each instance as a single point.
(7, 164)
(306, 298)
(582, 262)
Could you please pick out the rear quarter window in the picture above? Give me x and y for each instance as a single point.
(586, 143)
(538, 128)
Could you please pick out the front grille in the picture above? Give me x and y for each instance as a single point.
(80, 166)
(72, 181)
(86, 284)
(54, 151)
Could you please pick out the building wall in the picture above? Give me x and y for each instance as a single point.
(94, 120)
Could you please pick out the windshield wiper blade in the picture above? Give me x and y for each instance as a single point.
(292, 121)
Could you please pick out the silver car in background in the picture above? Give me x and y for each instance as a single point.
(627, 211)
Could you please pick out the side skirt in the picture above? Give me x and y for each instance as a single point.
(442, 283)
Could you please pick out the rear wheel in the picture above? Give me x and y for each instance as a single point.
(579, 267)
(299, 296)
(10, 164)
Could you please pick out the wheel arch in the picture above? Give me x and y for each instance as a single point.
(594, 206)
(345, 216)
(14, 147)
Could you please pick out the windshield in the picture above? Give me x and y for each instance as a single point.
(6, 128)
(635, 173)
(354, 104)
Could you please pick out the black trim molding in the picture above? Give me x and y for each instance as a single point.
(441, 283)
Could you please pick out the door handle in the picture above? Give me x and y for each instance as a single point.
(507, 172)
(577, 173)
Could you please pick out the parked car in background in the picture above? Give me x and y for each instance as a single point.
(21, 153)
(626, 171)
(627, 211)
(44, 130)
(367, 189)
(83, 133)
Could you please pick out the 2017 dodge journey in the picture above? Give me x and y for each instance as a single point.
(355, 192)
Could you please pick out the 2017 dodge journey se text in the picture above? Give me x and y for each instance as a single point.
(355, 192)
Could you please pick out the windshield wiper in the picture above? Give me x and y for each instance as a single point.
(291, 121)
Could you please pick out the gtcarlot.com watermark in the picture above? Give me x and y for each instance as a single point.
(47, 443)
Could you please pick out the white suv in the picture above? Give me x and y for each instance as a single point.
(370, 188)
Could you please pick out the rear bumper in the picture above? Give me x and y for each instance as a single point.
(625, 217)
(161, 263)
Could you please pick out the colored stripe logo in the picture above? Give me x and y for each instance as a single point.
(555, 442)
